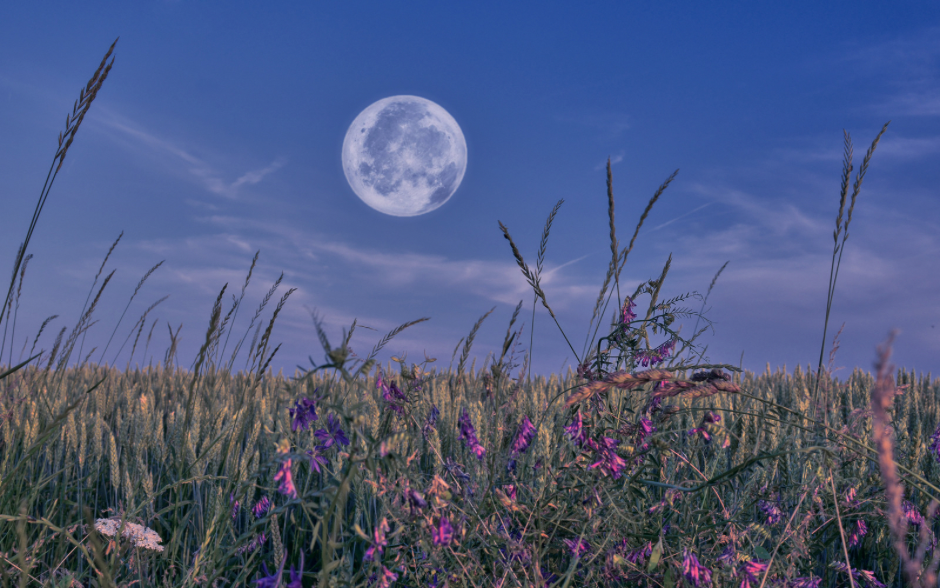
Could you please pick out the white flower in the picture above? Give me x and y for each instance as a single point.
(141, 536)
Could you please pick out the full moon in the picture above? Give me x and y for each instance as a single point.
(404, 156)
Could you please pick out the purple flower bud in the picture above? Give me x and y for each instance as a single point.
(524, 436)
(695, 573)
(261, 507)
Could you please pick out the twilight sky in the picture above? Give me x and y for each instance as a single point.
(219, 133)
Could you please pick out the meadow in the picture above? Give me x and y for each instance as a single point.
(637, 469)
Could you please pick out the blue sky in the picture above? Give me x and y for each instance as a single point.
(219, 130)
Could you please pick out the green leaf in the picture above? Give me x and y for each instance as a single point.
(761, 552)
(669, 580)
(655, 556)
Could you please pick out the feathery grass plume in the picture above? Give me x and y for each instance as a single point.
(149, 335)
(91, 290)
(710, 286)
(19, 291)
(622, 259)
(171, 350)
(41, 329)
(263, 344)
(370, 359)
(543, 244)
(264, 302)
(86, 96)
(614, 245)
(136, 290)
(840, 247)
(533, 280)
(882, 396)
(80, 329)
(236, 306)
(469, 344)
(142, 322)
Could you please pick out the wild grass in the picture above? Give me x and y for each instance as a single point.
(352, 473)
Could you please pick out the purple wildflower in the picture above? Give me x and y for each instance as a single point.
(695, 573)
(392, 394)
(415, 500)
(431, 421)
(316, 458)
(850, 499)
(578, 547)
(272, 580)
(286, 479)
(388, 576)
(752, 569)
(638, 556)
(235, 505)
(254, 544)
(801, 582)
(576, 429)
(469, 433)
(333, 434)
(443, 534)
(864, 575)
(524, 436)
(261, 507)
(296, 578)
(709, 418)
(857, 531)
(380, 542)
(610, 462)
(913, 515)
(655, 356)
(771, 511)
(303, 413)
(728, 556)
(935, 444)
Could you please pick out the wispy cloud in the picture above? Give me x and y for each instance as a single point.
(614, 160)
(181, 159)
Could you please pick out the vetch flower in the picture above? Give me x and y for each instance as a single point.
(380, 542)
(524, 436)
(771, 511)
(284, 476)
(272, 580)
(857, 531)
(333, 433)
(469, 433)
(443, 533)
(431, 421)
(303, 413)
(386, 580)
(296, 578)
(578, 546)
(416, 502)
(865, 576)
(575, 430)
(753, 570)
(655, 356)
(638, 556)
(316, 459)
(261, 507)
(391, 394)
(935, 444)
(235, 505)
(695, 573)
(913, 515)
(610, 462)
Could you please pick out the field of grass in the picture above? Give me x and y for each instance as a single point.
(638, 469)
